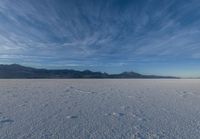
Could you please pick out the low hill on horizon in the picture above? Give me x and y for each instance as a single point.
(15, 71)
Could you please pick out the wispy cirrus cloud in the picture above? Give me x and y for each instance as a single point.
(92, 32)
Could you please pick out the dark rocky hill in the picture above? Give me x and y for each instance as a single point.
(17, 71)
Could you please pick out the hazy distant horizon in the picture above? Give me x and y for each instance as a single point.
(144, 36)
(103, 71)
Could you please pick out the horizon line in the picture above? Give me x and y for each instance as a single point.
(129, 71)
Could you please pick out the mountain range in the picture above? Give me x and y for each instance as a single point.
(15, 71)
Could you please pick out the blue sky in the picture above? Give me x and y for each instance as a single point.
(147, 36)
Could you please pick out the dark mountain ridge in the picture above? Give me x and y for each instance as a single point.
(15, 71)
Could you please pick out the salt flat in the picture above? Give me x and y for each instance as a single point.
(100, 109)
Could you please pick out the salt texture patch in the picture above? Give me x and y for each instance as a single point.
(100, 109)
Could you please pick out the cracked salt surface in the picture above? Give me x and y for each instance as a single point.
(99, 109)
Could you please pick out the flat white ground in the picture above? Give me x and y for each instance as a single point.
(99, 109)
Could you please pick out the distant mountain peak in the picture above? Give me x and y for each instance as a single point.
(19, 71)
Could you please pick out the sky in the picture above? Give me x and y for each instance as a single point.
(147, 36)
